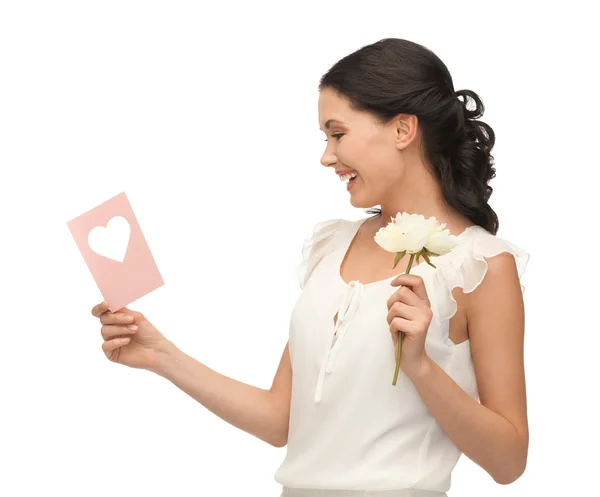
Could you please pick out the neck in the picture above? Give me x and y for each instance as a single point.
(422, 196)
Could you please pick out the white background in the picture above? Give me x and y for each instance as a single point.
(206, 116)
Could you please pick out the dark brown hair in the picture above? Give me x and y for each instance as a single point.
(394, 76)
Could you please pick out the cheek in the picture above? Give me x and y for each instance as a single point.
(370, 155)
(360, 153)
(375, 162)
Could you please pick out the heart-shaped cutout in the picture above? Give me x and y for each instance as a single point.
(111, 241)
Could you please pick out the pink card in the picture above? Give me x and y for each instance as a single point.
(116, 252)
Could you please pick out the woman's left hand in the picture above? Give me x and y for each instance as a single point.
(410, 312)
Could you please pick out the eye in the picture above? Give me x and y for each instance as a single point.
(336, 136)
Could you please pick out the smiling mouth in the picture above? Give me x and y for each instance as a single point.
(349, 177)
(350, 181)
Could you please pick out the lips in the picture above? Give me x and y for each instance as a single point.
(351, 182)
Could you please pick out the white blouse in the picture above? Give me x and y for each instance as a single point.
(350, 428)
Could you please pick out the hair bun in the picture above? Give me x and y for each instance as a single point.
(479, 109)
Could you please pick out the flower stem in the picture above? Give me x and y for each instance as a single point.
(400, 333)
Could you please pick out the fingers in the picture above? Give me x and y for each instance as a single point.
(99, 309)
(403, 294)
(402, 310)
(408, 280)
(414, 282)
(408, 318)
(112, 345)
(116, 318)
(400, 324)
(110, 332)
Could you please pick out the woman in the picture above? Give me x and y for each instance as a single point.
(401, 137)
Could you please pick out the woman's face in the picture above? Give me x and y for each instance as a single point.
(356, 142)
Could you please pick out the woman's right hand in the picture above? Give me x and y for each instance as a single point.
(137, 347)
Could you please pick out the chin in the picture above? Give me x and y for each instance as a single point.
(358, 203)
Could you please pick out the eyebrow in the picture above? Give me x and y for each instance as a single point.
(328, 123)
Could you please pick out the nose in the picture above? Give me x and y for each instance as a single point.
(328, 159)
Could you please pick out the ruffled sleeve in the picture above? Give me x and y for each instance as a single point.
(322, 241)
(468, 267)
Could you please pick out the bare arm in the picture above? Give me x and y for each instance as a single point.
(493, 434)
(262, 413)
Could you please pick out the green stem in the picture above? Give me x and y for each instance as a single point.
(400, 333)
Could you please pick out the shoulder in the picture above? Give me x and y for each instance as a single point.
(497, 256)
(483, 253)
(329, 227)
(332, 230)
(497, 266)
(326, 236)
(480, 257)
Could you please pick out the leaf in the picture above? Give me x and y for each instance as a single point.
(398, 258)
(429, 252)
(426, 257)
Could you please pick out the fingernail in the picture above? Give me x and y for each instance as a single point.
(128, 319)
(132, 327)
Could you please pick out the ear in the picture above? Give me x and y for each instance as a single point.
(407, 127)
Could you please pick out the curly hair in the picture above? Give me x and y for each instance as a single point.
(394, 76)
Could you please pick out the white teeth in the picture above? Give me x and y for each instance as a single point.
(349, 176)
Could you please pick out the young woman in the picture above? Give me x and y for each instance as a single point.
(402, 138)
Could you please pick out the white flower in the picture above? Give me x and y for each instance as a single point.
(441, 241)
(418, 236)
(413, 234)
